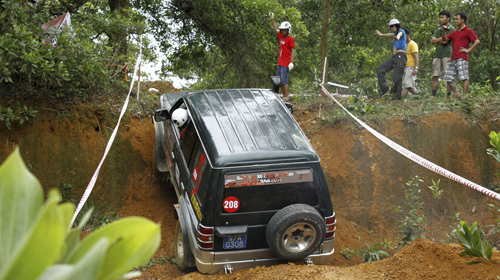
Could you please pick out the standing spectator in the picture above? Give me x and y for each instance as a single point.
(459, 64)
(396, 62)
(411, 69)
(443, 51)
(287, 52)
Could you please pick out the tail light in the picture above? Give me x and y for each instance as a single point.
(331, 226)
(205, 237)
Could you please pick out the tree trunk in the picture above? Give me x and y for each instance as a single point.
(324, 33)
(118, 37)
(492, 23)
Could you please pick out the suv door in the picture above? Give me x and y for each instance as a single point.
(192, 168)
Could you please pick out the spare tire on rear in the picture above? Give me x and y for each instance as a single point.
(295, 232)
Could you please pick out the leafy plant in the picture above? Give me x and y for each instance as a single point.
(8, 116)
(436, 191)
(470, 239)
(372, 252)
(495, 142)
(453, 235)
(65, 188)
(495, 210)
(37, 243)
(346, 252)
(360, 106)
(27, 114)
(411, 227)
(154, 261)
(368, 253)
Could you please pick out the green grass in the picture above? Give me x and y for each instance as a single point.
(377, 110)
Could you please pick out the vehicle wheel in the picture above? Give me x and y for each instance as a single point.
(183, 255)
(295, 232)
(159, 153)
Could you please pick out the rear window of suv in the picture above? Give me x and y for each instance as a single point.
(262, 191)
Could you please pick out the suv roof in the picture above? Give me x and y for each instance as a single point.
(241, 127)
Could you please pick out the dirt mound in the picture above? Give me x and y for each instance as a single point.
(426, 259)
(421, 259)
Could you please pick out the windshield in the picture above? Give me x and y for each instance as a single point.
(261, 191)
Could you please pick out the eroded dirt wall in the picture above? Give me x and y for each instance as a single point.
(367, 178)
(65, 147)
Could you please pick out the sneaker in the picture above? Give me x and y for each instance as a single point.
(383, 93)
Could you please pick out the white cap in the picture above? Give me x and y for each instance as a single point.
(394, 21)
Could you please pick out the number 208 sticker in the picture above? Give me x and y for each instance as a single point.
(231, 204)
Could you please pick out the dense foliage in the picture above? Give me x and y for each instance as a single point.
(82, 62)
(231, 43)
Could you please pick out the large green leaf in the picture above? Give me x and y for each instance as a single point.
(133, 241)
(21, 197)
(88, 267)
(42, 243)
(73, 236)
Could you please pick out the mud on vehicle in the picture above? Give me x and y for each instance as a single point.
(250, 187)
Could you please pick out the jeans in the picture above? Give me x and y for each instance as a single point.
(283, 73)
(398, 63)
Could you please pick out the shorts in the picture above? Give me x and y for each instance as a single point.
(408, 77)
(458, 67)
(439, 64)
(283, 74)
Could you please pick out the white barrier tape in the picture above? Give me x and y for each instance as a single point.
(349, 95)
(93, 180)
(416, 158)
(338, 85)
(139, 80)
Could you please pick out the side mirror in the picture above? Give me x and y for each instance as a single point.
(275, 81)
(161, 115)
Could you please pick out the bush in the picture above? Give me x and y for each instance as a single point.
(9, 116)
(470, 239)
(37, 243)
(495, 142)
(411, 227)
(81, 64)
(368, 253)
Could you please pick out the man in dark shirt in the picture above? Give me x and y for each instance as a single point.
(443, 51)
(396, 62)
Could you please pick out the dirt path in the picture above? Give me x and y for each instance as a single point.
(422, 259)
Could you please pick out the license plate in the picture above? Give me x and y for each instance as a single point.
(234, 242)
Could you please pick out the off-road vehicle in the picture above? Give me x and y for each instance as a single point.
(250, 187)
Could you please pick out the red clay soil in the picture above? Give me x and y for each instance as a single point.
(421, 259)
(366, 179)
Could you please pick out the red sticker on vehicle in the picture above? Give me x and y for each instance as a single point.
(231, 204)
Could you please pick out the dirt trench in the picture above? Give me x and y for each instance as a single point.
(63, 146)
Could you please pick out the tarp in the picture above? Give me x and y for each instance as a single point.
(54, 27)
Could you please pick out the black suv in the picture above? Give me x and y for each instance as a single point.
(250, 186)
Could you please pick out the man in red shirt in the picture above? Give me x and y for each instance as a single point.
(287, 52)
(459, 64)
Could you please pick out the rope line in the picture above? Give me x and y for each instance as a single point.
(416, 158)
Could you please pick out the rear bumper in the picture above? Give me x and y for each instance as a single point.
(244, 259)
